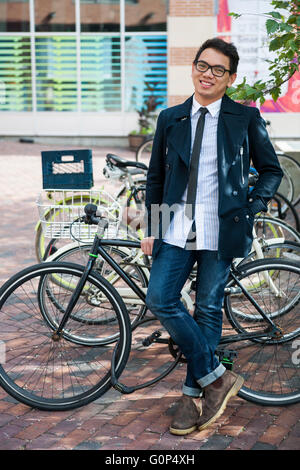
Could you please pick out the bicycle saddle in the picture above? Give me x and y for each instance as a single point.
(122, 163)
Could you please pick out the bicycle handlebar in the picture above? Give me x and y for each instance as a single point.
(90, 217)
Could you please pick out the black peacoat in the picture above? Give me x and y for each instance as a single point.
(241, 138)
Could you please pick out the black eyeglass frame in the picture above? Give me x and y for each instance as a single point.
(211, 67)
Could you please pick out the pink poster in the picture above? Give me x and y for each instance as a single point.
(248, 33)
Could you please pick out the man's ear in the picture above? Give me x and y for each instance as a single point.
(231, 79)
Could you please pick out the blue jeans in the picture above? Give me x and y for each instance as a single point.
(197, 336)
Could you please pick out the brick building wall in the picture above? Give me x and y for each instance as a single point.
(190, 22)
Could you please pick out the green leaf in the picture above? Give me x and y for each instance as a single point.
(292, 19)
(262, 100)
(250, 91)
(285, 27)
(278, 4)
(290, 54)
(275, 93)
(275, 14)
(234, 15)
(271, 26)
(275, 44)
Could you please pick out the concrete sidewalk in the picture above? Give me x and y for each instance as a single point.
(114, 422)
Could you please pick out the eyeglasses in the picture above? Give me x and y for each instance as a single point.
(217, 70)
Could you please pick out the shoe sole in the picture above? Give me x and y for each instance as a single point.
(182, 432)
(232, 392)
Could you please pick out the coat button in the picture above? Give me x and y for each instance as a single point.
(236, 219)
(235, 193)
(167, 166)
(251, 199)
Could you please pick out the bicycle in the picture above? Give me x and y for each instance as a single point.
(55, 362)
(59, 208)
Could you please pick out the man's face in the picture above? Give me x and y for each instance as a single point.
(208, 87)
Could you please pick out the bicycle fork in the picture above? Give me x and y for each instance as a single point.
(78, 290)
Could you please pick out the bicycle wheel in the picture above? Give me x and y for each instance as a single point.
(269, 227)
(286, 186)
(292, 167)
(129, 261)
(143, 153)
(268, 363)
(281, 208)
(52, 374)
(286, 250)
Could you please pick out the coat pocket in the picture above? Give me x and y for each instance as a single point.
(236, 233)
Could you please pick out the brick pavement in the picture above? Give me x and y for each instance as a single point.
(113, 422)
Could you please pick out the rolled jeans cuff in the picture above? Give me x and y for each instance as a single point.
(212, 376)
(191, 392)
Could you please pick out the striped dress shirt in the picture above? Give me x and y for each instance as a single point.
(207, 196)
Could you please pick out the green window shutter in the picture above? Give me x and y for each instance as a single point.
(145, 70)
(100, 73)
(56, 76)
(15, 74)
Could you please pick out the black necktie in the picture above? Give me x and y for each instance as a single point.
(194, 165)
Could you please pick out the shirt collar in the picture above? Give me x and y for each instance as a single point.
(213, 108)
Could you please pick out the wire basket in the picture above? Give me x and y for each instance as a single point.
(60, 212)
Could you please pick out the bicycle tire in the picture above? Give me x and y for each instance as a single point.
(289, 250)
(270, 227)
(292, 167)
(143, 152)
(281, 208)
(286, 186)
(55, 375)
(80, 254)
(267, 363)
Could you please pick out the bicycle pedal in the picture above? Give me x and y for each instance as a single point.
(226, 357)
(152, 338)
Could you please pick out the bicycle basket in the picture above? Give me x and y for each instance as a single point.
(60, 212)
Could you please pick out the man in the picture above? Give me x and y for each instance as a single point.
(198, 175)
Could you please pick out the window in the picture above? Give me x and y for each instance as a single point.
(146, 15)
(56, 76)
(89, 55)
(54, 15)
(100, 73)
(15, 74)
(14, 16)
(99, 16)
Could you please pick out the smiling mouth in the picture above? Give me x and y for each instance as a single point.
(206, 84)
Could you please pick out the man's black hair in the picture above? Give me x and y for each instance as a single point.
(226, 48)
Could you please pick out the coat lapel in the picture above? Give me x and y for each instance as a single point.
(232, 127)
(179, 131)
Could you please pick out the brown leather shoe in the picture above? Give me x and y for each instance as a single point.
(186, 417)
(217, 395)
